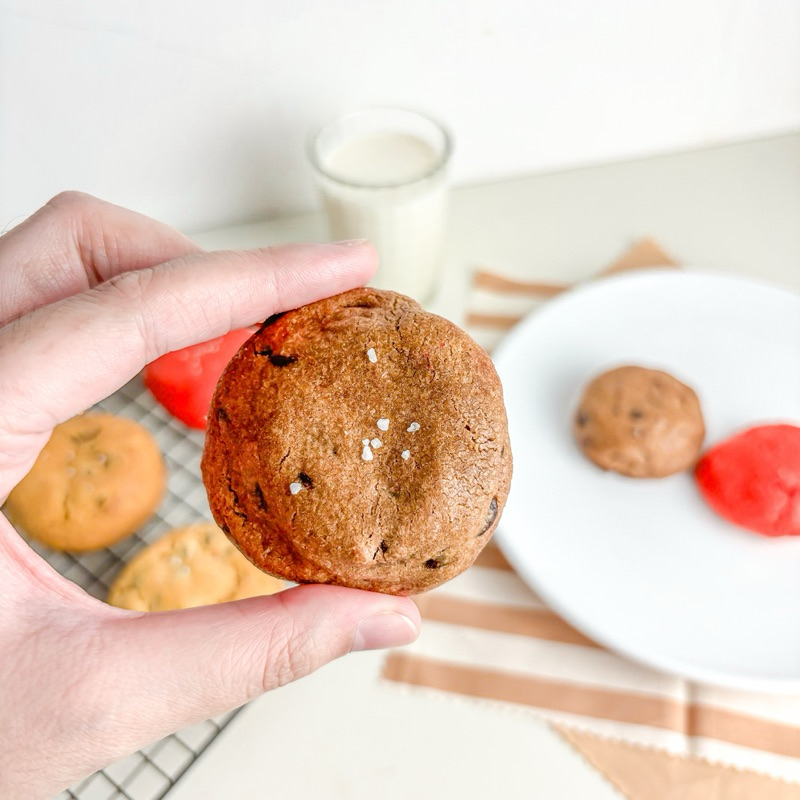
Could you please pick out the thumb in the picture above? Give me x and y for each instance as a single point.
(181, 667)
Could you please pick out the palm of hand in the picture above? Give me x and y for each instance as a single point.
(89, 293)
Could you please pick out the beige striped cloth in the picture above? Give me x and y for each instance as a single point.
(488, 637)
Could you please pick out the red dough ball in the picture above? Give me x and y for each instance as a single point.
(753, 479)
(183, 381)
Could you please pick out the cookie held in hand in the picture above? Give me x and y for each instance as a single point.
(643, 423)
(359, 441)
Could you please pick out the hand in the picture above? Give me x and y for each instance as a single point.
(89, 293)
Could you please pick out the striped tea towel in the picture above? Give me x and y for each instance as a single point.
(488, 636)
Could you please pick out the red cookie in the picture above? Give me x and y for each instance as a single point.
(753, 479)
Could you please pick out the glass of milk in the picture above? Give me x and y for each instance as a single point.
(383, 176)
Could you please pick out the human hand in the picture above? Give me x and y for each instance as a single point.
(89, 293)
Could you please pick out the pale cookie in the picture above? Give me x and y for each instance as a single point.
(639, 422)
(191, 566)
(97, 480)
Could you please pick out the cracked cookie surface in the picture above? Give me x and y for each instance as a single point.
(97, 480)
(359, 441)
(191, 566)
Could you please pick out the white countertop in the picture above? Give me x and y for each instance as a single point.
(342, 734)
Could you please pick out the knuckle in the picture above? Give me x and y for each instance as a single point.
(71, 201)
(272, 256)
(281, 666)
(129, 291)
(270, 253)
(277, 275)
(80, 215)
(128, 287)
(290, 654)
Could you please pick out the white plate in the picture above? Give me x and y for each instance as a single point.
(644, 566)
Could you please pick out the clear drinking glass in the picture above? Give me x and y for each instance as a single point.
(382, 174)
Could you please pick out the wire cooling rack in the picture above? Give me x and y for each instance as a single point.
(153, 771)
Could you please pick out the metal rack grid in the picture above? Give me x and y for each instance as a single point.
(154, 770)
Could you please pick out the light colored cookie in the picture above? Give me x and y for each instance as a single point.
(191, 566)
(97, 480)
(643, 423)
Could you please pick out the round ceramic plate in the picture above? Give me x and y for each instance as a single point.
(644, 566)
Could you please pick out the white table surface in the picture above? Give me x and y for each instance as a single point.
(341, 734)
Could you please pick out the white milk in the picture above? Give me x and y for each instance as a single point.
(381, 159)
(389, 186)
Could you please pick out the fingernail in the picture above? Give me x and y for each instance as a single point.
(388, 629)
(351, 242)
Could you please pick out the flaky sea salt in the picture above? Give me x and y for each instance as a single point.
(376, 443)
(294, 488)
(366, 453)
(371, 355)
(383, 424)
(405, 454)
(414, 426)
(365, 442)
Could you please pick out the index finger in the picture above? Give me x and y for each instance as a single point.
(58, 360)
(75, 242)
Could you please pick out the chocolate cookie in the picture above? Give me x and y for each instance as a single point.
(639, 422)
(97, 480)
(191, 566)
(359, 441)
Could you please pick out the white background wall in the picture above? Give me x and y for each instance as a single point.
(197, 112)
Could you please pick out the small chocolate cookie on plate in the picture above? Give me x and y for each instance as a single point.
(187, 567)
(643, 423)
(96, 481)
(359, 441)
